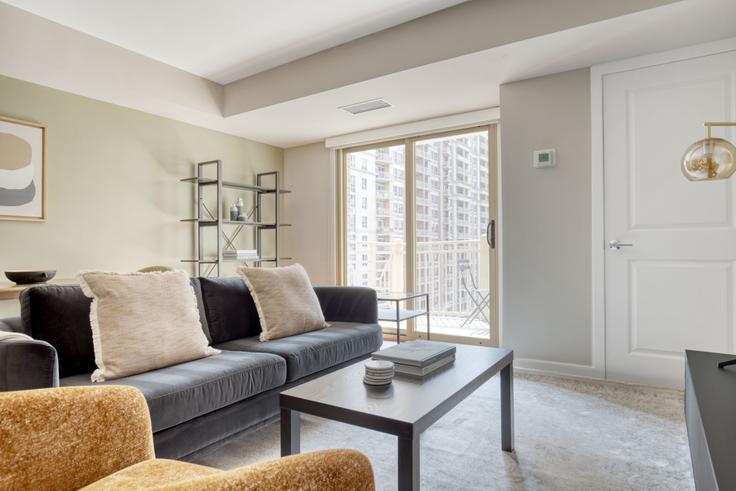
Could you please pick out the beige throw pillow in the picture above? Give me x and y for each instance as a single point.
(285, 300)
(142, 321)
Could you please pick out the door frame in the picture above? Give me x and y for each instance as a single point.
(598, 237)
(410, 219)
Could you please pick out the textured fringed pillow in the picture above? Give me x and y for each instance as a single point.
(142, 321)
(285, 300)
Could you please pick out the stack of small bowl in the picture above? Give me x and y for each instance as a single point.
(378, 372)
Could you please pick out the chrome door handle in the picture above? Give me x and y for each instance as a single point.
(615, 244)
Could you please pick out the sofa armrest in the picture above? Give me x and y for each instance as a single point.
(69, 437)
(348, 303)
(11, 324)
(26, 363)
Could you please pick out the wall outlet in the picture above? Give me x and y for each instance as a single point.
(544, 158)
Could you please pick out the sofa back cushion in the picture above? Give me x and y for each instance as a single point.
(59, 315)
(231, 312)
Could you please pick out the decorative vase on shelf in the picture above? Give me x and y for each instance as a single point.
(233, 212)
(240, 208)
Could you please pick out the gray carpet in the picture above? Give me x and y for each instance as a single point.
(570, 434)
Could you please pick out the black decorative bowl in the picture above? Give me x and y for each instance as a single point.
(30, 277)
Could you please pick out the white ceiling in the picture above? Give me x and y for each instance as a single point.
(226, 40)
(452, 86)
(472, 81)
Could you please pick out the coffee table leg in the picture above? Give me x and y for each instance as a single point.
(507, 408)
(409, 463)
(289, 432)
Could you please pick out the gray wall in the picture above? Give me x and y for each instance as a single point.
(310, 238)
(546, 218)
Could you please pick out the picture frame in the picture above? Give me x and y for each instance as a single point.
(22, 170)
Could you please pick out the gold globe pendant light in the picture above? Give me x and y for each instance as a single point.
(711, 158)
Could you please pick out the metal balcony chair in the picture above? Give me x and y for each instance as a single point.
(481, 298)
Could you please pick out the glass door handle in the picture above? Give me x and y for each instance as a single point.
(491, 234)
(615, 244)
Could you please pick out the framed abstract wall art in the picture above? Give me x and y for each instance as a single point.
(22, 170)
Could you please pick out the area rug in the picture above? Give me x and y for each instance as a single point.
(570, 435)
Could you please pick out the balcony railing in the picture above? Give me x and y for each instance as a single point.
(454, 273)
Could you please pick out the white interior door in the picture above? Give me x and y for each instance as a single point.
(673, 288)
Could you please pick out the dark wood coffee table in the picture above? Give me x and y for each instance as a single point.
(405, 408)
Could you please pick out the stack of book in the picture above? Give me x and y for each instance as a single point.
(418, 358)
(240, 255)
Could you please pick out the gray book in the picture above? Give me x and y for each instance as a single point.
(416, 353)
(422, 372)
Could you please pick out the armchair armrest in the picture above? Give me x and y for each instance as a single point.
(26, 363)
(66, 438)
(348, 303)
(326, 470)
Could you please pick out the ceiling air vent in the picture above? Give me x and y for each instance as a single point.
(365, 106)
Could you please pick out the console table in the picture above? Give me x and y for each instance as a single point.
(710, 415)
(11, 291)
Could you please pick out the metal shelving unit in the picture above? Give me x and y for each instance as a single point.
(206, 218)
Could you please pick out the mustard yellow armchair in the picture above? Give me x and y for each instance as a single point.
(99, 438)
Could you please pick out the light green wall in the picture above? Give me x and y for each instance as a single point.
(114, 199)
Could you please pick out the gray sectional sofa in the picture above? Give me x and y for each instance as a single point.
(197, 403)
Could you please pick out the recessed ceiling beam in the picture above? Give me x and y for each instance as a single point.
(463, 29)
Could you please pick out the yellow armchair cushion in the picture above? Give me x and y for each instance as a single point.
(63, 439)
(100, 437)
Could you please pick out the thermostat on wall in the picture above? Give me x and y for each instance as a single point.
(544, 158)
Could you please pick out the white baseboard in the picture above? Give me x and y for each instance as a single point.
(558, 368)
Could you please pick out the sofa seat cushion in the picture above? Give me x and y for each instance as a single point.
(178, 393)
(314, 351)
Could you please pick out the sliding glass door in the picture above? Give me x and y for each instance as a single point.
(453, 219)
(419, 215)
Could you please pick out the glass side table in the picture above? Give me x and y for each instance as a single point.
(398, 315)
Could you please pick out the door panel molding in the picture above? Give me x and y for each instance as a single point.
(598, 75)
